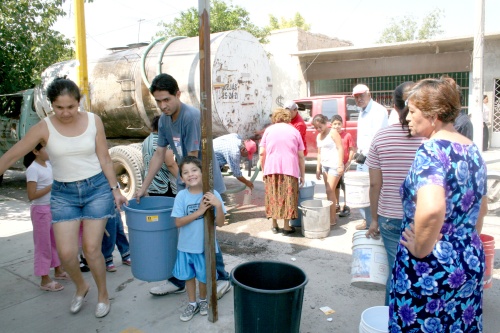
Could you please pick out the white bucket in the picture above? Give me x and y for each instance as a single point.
(315, 218)
(369, 268)
(357, 185)
(375, 320)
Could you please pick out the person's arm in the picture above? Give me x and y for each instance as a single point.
(38, 133)
(262, 157)
(245, 181)
(170, 162)
(154, 166)
(482, 212)
(202, 208)
(213, 201)
(318, 160)
(340, 150)
(302, 167)
(374, 193)
(428, 221)
(33, 193)
(101, 149)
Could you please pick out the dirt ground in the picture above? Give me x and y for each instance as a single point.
(326, 262)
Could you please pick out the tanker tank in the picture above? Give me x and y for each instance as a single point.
(119, 82)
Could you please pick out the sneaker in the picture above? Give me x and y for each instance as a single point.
(346, 211)
(110, 268)
(203, 308)
(166, 288)
(361, 226)
(127, 262)
(189, 312)
(223, 286)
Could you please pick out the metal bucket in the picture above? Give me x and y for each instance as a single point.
(315, 218)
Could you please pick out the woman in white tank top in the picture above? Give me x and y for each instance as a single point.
(84, 190)
(330, 160)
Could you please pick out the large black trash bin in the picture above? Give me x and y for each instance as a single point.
(268, 297)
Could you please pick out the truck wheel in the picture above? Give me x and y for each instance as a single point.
(137, 146)
(128, 165)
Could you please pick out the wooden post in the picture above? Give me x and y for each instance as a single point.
(81, 55)
(476, 102)
(206, 150)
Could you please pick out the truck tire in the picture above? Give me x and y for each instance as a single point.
(137, 146)
(129, 168)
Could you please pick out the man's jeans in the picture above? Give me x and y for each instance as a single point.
(219, 266)
(117, 237)
(390, 230)
(365, 211)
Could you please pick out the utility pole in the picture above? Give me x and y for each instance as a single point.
(477, 75)
(207, 151)
(81, 55)
(139, 32)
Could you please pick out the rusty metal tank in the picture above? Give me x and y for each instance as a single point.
(241, 83)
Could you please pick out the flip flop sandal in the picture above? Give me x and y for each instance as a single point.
(52, 286)
(63, 276)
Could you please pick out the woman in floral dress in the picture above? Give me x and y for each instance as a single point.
(437, 279)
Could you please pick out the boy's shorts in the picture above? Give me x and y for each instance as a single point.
(190, 265)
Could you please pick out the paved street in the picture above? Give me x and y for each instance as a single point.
(247, 237)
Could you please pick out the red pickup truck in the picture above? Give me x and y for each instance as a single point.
(328, 105)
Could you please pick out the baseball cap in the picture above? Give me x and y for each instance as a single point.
(360, 89)
(251, 148)
(290, 105)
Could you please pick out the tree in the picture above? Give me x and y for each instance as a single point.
(297, 21)
(27, 43)
(222, 18)
(406, 29)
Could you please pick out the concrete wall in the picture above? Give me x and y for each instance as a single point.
(491, 59)
(288, 78)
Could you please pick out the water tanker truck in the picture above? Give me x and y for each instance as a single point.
(118, 91)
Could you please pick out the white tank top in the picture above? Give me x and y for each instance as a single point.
(329, 154)
(73, 158)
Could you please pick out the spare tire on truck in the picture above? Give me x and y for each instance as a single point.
(129, 168)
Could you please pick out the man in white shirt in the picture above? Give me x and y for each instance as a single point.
(372, 117)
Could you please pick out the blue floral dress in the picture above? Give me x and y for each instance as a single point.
(442, 292)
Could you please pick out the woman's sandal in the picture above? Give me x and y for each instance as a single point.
(63, 276)
(52, 286)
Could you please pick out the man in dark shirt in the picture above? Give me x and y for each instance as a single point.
(463, 125)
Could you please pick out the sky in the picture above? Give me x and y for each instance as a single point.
(114, 23)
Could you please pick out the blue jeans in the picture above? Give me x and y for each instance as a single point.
(365, 212)
(390, 230)
(219, 266)
(117, 237)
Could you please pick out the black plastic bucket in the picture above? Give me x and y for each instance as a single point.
(268, 297)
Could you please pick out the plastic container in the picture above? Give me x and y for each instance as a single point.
(375, 320)
(247, 196)
(369, 269)
(489, 259)
(357, 186)
(315, 218)
(152, 237)
(268, 297)
(306, 192)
